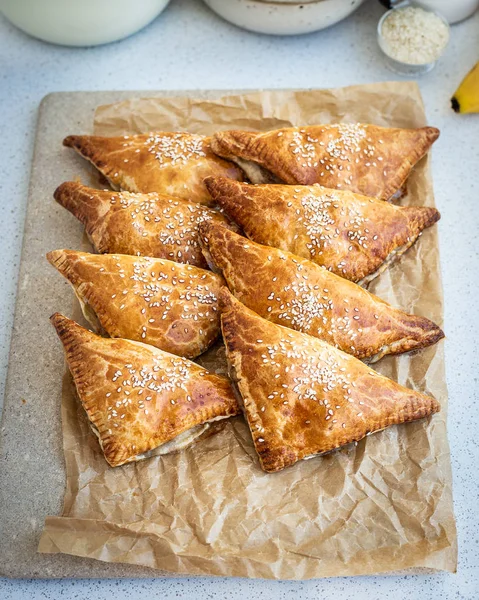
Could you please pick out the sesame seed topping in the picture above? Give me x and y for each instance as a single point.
(177, 148)
(344, 140)
(170, 224)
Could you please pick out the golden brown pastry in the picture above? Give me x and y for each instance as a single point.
(170, 163)
(141, 401)
(294, 292)
(351, 235)
(303, 397)
(168, 305)
(366, 159)
(139, 224)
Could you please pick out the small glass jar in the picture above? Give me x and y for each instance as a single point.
(398, 66)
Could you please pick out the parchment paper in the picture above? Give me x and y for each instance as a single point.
(380, 506)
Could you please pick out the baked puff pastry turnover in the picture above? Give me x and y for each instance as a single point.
(168, 305)
(366, 159)
(171, 163)
(351, 235)
(294, 292)
(139, 224)
(141, 401)
(303, 397)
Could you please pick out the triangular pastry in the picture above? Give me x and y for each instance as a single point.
(139, 224)
(294, 292)
(141, 401)
(367, 159)
(168, 305)
(351, 235)
(172, 163)
(303, 397)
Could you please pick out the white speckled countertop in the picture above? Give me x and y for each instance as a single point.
(186, 48)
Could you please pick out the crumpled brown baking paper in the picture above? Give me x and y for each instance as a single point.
(382, 505)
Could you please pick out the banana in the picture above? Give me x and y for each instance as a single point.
(466, 98)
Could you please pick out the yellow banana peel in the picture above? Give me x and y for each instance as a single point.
(466, 98)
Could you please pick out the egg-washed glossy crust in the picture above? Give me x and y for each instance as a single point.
(303, 397)
(139, 224)
(366, 159)
(138, 397)
(351, 235)
(296, 293)
(168, 305)
(172, 163)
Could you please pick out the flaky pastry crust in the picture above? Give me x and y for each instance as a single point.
(303, 397)
(172, 163)
(139, 224)
(296, 293)
(168, 305)
(137, 397)
(351, 235)
(366, 159)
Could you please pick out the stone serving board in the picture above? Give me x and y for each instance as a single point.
(32, 469)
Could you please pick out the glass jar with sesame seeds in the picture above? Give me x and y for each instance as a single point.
(412, 38)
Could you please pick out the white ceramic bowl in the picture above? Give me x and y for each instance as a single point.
(81, 22)
(283, 17)
(452, 10)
